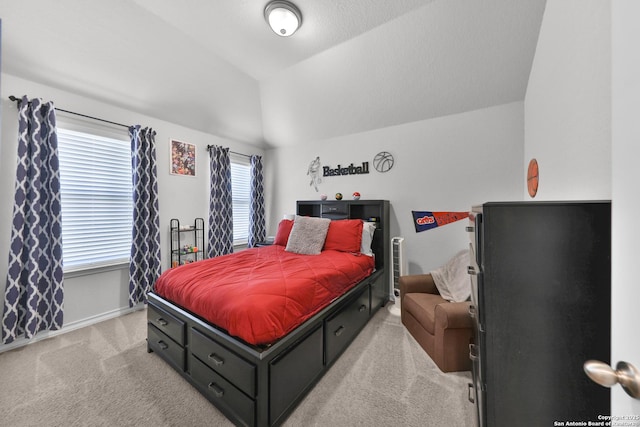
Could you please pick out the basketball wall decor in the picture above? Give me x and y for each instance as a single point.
(313, 171)
(346, 170)
(383, 161)
(532, 178)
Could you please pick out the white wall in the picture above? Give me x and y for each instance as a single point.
(180, 197)
(568, 102)
(443, 164)
(581, 122)
(443, 58)
(626, 203)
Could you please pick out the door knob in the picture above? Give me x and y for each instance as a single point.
(625, 374)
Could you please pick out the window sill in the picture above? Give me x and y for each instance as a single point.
(86, 271)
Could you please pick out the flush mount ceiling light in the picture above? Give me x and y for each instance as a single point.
(283, 17)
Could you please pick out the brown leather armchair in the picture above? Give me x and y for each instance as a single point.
(443, 329)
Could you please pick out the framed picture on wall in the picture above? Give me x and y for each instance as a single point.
(183, 158)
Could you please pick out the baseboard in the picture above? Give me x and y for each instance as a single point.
(78, 324)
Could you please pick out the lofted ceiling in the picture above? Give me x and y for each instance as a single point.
(215, 66)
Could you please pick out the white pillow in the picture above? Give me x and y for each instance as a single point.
(307, 235)
(368, 229)
(452, 279)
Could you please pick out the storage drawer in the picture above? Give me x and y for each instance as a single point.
(291, 374)
(167, 323)
(165, 347)
(222, 393)
(335, 210)
(231, 366)
(341, 328)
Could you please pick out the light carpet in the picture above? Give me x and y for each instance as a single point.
(102, 375)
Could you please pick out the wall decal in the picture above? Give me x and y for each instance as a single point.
(349, 170)
(383, 161)
(313, 171)
(532, 178)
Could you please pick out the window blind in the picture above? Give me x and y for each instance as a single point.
(240, 191)
(97, 205)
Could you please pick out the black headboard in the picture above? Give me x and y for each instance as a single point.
(368, 210)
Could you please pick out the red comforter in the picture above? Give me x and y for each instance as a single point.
(261, 294)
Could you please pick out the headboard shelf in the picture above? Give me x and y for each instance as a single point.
(368, 210)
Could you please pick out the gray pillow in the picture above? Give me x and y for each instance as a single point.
(307, 235)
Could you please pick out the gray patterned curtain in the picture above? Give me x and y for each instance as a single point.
(257, 229)
(220, 203)
(34, 293)
(144, 265)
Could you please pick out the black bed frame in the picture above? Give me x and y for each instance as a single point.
(261, 386)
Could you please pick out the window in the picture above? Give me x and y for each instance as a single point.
(96, 191)
(240, 189)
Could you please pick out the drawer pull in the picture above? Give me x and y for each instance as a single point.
(473, 352)
(217, 391)
(472, 311)
(469, 229)
(471, 270)
(472, 397)
(163, 345)
(362, 308)
(217, 360)
(162, 322)
(339, 331)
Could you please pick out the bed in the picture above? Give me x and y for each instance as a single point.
(254, 331)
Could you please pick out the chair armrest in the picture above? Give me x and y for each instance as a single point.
(454, 315)
(417, 283)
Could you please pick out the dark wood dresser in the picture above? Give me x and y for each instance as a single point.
(541, 303)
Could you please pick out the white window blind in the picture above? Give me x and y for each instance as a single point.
(240, 188)
(97, 204)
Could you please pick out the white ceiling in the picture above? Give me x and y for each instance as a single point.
(215, 66)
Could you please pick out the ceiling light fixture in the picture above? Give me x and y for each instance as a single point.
(283, 17)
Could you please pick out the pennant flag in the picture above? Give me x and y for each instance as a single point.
(427, 220)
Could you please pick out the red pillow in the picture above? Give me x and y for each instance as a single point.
(284, 229)
(344, 235)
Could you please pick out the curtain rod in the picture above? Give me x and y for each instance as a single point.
(18, 100)
(232, 152)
